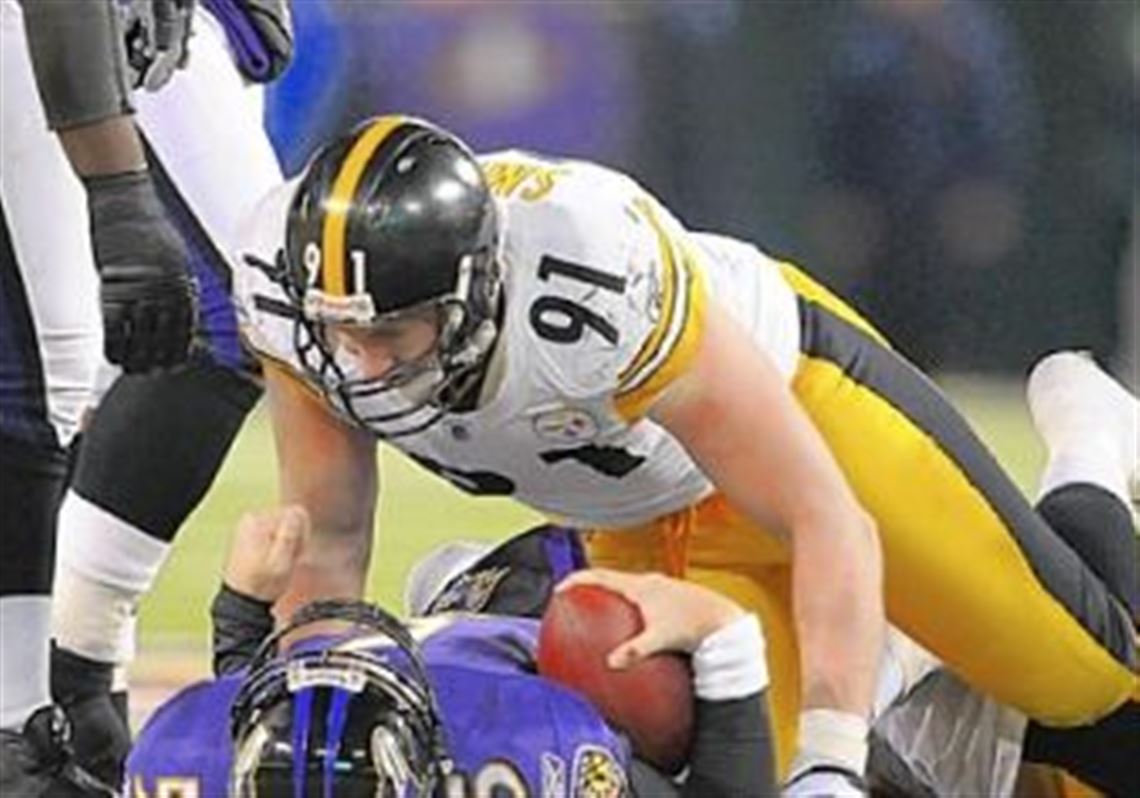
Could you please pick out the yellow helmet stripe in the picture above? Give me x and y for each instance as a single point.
(333, 235)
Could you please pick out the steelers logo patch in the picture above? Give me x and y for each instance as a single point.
(564, 424)
(597, 774)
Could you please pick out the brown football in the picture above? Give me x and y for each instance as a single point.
(652, 702)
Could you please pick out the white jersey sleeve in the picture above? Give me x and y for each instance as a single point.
(601, 277)
(265, 315)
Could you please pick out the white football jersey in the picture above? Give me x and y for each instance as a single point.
(605, 300)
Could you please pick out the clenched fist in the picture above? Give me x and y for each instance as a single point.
(149, 299)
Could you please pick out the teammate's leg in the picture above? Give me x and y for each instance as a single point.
(155, 444)
(151, 451)
(1089, 425)
(36, 756)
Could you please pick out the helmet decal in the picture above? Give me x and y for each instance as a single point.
(337, 720)
(302, 722)
(339, 202)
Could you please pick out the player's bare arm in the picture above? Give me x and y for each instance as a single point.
(76, 51)
(329, 469)
(785, 478)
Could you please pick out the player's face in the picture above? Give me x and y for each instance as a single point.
(382, 351)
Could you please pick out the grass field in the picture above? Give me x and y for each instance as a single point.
(418, 511)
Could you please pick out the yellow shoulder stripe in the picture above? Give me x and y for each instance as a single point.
(672, 344)
(668, 299)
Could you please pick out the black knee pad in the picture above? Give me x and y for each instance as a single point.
(155, 443)
(31, 484)
(1098, 527)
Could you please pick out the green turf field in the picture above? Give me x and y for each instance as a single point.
(418, 511)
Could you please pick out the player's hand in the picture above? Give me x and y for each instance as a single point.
(149, 300)
(677, 615)
(260, 35)
(157, 39)
(264, 551)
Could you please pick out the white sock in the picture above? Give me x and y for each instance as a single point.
(1088, 422)
(1085, 462)
(103, 567)
(25, 623)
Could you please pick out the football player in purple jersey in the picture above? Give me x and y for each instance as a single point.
(447, 703)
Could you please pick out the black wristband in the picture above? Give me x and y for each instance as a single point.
(121, 181)
(240, 623)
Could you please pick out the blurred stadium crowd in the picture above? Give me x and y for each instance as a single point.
(931, 159)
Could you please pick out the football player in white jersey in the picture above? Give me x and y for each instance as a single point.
(547, 330)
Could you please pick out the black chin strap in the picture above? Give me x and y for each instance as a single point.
(464, 397)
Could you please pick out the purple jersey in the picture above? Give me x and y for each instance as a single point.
(510, 732)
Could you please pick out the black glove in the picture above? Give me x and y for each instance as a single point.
(149, 300)
(157, 39)
(100, 736)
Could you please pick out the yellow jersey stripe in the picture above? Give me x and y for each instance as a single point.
(674, 327)
(340, 200)
(635, 403)
(669, 290)
(679, 351)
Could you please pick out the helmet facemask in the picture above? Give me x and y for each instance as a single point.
(339, 718)
(413, 394)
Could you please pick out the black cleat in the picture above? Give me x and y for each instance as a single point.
(100, 735)
(39, 762)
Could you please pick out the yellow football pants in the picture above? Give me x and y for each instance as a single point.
(971, 571)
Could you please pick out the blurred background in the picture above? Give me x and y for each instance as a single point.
(962, 171)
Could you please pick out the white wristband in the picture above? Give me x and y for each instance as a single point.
(829, 735)
(729, 663)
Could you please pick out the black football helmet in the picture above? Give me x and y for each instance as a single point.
(337, 719)
(394, 219)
